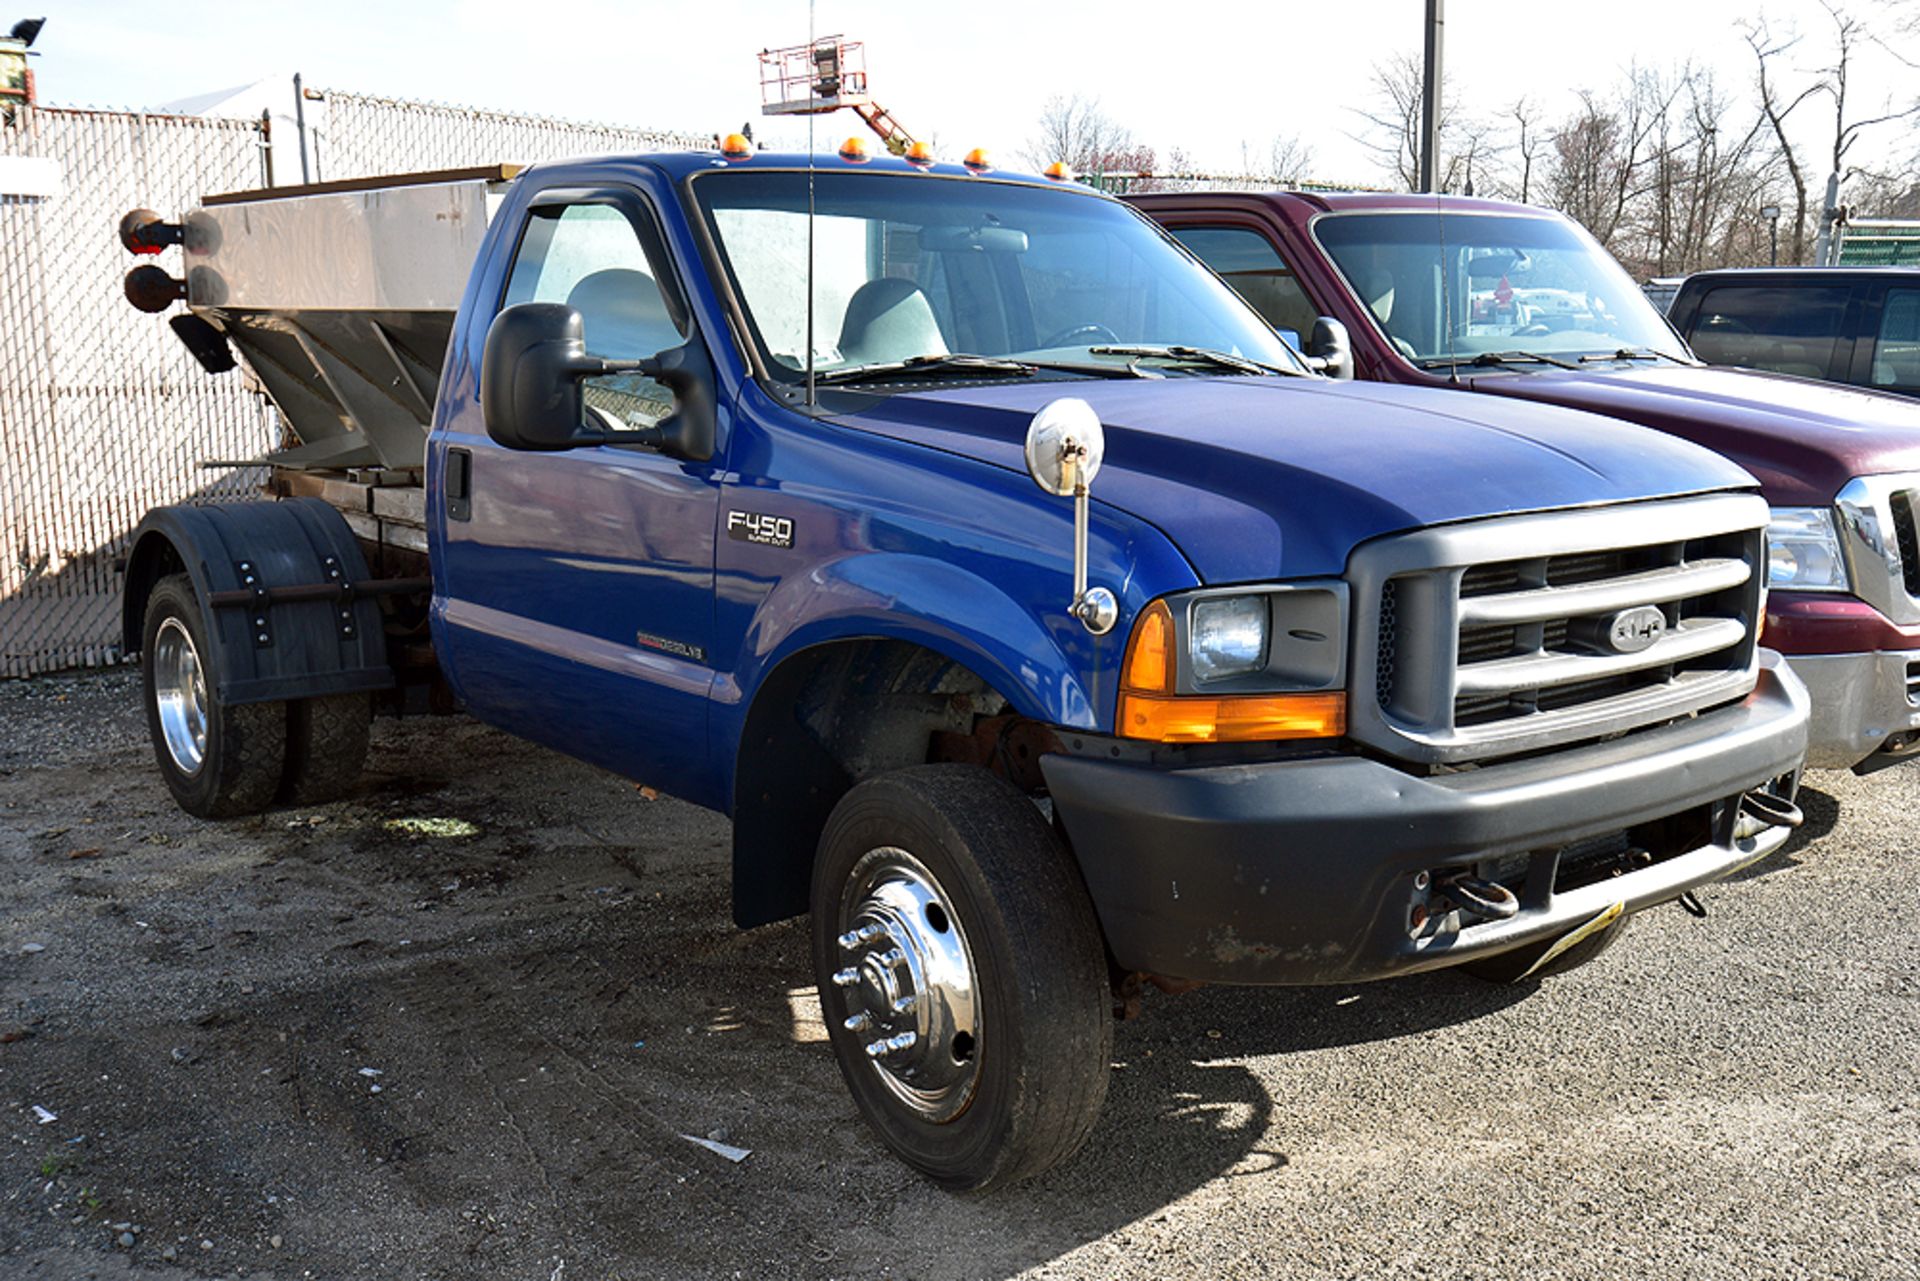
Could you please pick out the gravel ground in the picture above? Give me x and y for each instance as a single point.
(349, 1043)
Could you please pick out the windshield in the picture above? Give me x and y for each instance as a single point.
(1459, 286)
(912, 265)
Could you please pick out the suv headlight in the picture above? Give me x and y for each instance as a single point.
(1803, 551)
(1248, 665)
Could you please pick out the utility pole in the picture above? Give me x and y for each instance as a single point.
(1829, 214)
(1430, 98)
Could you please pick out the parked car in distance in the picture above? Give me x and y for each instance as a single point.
(1858, 325)
(1661, 289)
(1510, 300)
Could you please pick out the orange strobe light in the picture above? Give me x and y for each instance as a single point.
(1150, 709)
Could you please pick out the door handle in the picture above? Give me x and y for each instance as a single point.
(458, 484)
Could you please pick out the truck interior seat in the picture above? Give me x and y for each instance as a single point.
(889, 319)
(623, 313)
(1377, 290)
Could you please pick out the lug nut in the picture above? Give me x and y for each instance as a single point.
(893, 956)
(850, 940)
(891, 1045)
(847, 977)
(902, 1004)
(858, 1022)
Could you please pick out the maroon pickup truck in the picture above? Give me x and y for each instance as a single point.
(1511, 300)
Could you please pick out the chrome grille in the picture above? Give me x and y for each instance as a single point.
(1907, 537)
(1482, 655)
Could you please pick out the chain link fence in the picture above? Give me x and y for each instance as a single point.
(102, 412)
(354, 135)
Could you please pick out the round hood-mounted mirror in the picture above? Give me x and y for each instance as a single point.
(1065, 445)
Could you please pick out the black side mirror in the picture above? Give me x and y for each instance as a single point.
(1330, 349)
(530, 372)
(530, 395)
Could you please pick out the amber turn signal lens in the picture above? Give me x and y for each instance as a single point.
(1148, 668)
(1234, 718)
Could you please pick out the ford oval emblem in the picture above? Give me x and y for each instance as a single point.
(1632, 630)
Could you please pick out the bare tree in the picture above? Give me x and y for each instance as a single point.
(1080, 132)
(1289, 158)
(1832, 82)
(1775, 107)
(1525, 117)
(1392, 131)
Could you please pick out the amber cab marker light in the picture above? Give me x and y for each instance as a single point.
(854, 151)
(1150, 709)
(736, 147)
(977, 160)
(919, 153)
(1059, 172)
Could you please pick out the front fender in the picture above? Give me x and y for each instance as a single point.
(1047, 666)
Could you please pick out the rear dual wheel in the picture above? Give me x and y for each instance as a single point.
(962, 975)
(222, 760)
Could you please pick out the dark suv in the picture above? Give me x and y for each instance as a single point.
(1858, 325)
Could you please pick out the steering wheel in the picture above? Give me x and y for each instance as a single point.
(1067, 335)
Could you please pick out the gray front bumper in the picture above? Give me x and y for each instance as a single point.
(1300, 871)
(1859, 702)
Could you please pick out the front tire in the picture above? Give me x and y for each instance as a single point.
(962, 975)
(218, 761)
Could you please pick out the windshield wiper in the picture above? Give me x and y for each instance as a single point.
(1492, 359)
(1635, 353)
(1194, 355)
(914, 365)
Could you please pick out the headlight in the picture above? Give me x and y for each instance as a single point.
(1803, 551)
(1228, 636)
(1243, 666)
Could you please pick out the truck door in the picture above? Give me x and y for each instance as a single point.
(577, 587)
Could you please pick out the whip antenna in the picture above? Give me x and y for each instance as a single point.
(811, 402)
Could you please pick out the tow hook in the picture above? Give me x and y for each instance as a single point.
(1480, 897)
(1773, 811)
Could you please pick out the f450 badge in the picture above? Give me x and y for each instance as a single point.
(757, 527)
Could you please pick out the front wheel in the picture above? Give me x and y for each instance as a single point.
(962, 975)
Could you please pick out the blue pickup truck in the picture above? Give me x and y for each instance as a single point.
(1043, 623)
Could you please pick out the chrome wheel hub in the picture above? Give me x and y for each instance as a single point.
(180, 696)
(907, 984)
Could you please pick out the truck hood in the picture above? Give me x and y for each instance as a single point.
(1803, 439)
(1263, 478)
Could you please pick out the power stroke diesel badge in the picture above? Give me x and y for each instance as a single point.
(757, 527)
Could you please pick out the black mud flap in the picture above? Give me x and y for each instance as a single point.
(283, 586)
